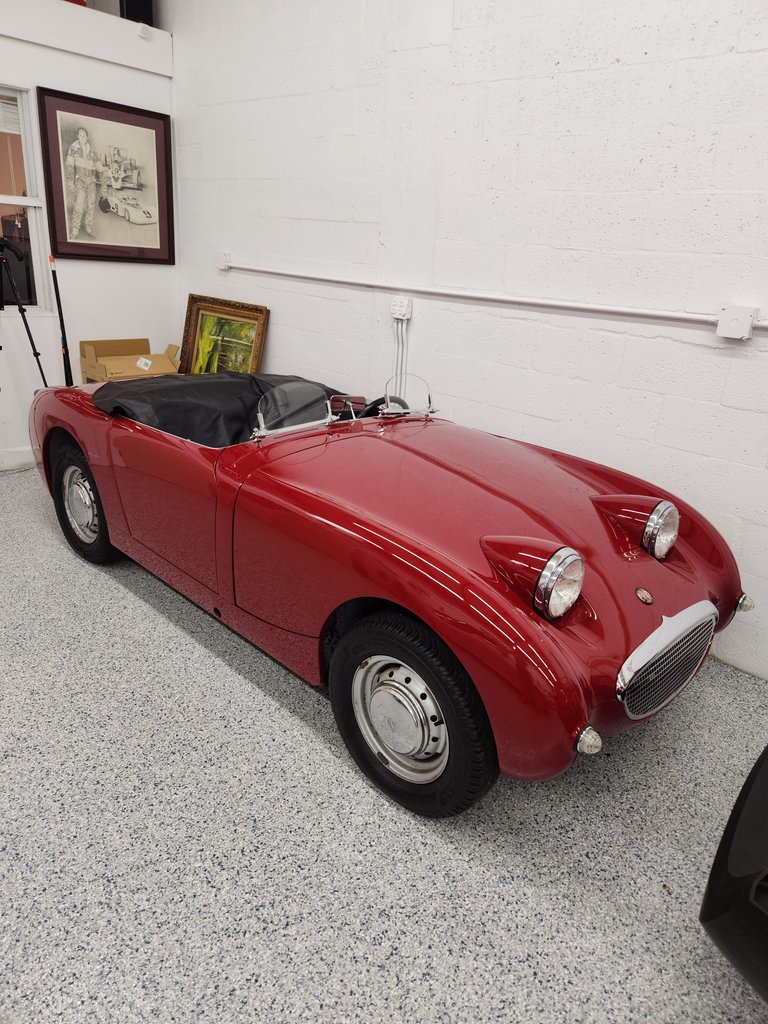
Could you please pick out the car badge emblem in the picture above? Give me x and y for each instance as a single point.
(644, 595)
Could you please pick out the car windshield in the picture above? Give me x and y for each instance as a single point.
(302, 403)
(298, 403)
(407, 394)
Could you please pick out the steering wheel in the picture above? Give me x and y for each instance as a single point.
(373, 407)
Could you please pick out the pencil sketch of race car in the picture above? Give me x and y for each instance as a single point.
(128, 207)
(121, 170)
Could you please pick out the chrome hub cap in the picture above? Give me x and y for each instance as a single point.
(400, 719)
(80, 504)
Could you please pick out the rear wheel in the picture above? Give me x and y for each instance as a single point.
(411, 717)
(78, 506)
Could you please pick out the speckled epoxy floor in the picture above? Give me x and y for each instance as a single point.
(183, 837)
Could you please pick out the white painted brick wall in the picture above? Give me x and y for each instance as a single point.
(607, 152)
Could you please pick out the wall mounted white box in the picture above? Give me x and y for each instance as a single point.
(736, 322)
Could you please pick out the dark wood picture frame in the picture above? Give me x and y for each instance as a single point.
(221, 335)
(110, 192)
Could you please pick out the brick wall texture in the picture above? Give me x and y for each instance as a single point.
(607, 152)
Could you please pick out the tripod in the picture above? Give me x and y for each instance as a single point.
(5, 244)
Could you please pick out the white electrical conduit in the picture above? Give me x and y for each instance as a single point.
(401, 357)
(499, 300)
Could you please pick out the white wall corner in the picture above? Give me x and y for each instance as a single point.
(16, 458)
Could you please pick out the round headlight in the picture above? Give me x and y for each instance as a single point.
(661, 530)
(559, 584)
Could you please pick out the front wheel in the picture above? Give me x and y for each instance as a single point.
(410, 716)
(78, 506)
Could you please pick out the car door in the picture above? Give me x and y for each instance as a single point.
(295, 555)
(168, 490)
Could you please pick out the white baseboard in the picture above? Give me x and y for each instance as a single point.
(16, 458)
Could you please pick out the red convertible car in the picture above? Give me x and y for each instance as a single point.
(472, 604)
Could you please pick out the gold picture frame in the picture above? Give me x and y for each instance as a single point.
(222, 335)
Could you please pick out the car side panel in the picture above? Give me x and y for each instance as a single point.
(298, 653)
(168, 492)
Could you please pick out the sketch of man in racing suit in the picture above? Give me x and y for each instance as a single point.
(83, 168)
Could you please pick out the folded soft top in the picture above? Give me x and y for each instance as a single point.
(213, 409)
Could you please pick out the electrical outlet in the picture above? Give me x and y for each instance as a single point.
(402, 307)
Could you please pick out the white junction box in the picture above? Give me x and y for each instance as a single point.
(736, 322)
(402, 307)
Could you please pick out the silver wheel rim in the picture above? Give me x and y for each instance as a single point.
(400, 719)
(80, 504)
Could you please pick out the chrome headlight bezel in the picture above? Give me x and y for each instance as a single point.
(655, 541)
(552, 573)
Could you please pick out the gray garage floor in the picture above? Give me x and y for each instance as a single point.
(183, 837)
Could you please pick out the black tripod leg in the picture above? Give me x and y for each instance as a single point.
(64, 343)
(22, 310)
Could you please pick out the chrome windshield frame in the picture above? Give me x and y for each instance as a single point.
(261, 432)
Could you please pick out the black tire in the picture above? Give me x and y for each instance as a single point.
(390, 650)
(90, 539)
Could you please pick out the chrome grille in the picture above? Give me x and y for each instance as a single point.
(667, 661)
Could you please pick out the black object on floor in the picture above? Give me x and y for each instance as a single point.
(734, 911)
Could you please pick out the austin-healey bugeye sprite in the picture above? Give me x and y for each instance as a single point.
(471, 603)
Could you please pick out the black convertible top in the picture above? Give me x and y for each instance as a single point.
(213, 409)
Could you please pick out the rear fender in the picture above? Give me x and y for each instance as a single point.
(61, 412)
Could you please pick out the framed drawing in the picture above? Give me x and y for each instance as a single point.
(220, 335)
(107, 179)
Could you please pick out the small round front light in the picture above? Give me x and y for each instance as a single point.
(661, 530)
(589, 741)
(559, 584)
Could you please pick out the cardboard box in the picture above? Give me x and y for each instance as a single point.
(123, 358)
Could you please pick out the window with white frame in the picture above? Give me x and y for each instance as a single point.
(20, 206)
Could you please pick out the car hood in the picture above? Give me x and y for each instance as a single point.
(447, 486)
(443, 488)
